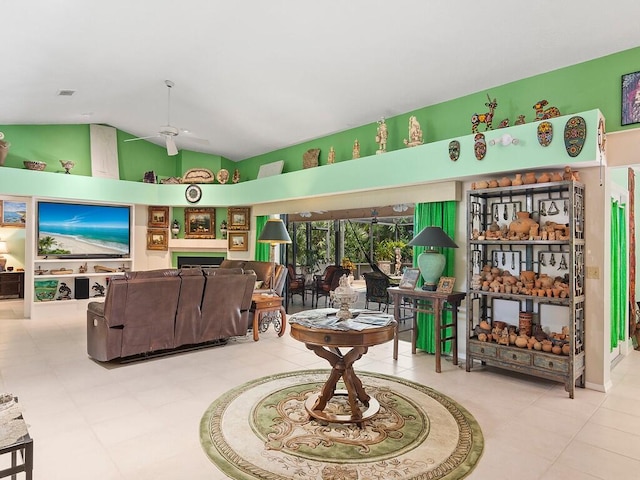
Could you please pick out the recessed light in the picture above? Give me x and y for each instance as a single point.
(65, 92)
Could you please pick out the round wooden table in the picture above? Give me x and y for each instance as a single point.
(326, 343)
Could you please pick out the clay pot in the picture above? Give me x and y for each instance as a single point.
(521, 342)
(537, 346)
(545, 281)
(566, 349)
(527, 276)
(518, 180)
(546, 347)
(522, 225)
(529, 178)
(556, 177)
(557, 349)
(524, 323)
(504, 182)
(544, 177)
(493, 183)
(482, 184)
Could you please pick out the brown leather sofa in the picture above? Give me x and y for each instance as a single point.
(263, 273)
(156, 310)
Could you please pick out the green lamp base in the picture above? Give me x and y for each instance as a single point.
(431, 264)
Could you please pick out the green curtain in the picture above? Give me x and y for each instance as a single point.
(434, 214)
(262, 249)
(618, 272)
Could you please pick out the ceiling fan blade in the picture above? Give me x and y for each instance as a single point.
(171, 146)
(140, 138)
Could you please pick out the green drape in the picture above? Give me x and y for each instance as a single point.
(434, 214)
(262, 249)
(618, 272)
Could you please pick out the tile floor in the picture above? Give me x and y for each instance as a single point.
(140, 420)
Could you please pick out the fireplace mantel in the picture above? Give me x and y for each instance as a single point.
(196, 244)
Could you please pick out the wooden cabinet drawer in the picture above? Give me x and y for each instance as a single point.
(513, 355)
(555, 363)
(482, 348)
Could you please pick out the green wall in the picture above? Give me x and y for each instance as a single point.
(595, 84)
(586, 86)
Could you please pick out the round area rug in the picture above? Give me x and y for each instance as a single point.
(261, 430)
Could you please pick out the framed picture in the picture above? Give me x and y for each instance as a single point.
(239, 241)
(410, 278)
(630, 98)
(445, 285)
(157, 239)
(158, 217)
(199, 223)
(238, 218)
(13, 214)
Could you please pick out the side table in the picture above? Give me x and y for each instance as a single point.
(425, 301)
(24, 445)
(268, 309)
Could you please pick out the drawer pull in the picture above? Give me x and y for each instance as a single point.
(327, 338)
(550, 364)
(514, 356)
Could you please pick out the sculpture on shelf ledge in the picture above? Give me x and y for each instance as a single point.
(381, 136)
(486, 118)
(545, 113)
(415, 133)
(99, 289)
(236, 176)
(67, 165)
(332, 156)
(356, 149)
(64, 291)
(175, 228)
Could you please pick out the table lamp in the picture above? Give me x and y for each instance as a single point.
(274, 233)
(431, 262)
(3, 249)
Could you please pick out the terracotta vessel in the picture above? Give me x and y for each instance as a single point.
(544, 178)
(518, 180)
(556, 177)
(523, 224)
(504, 182)
(529, 178)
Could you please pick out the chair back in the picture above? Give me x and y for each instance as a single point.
(377, 285)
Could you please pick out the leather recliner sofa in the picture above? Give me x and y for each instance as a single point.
(156, 310)
(263, 273)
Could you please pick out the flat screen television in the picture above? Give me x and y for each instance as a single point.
(78, 230)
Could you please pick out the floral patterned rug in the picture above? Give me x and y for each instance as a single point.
(261, 430)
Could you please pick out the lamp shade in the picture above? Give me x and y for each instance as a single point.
(3, 247)
(431, 262)
(274, 232)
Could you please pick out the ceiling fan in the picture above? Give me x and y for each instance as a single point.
(168, 132)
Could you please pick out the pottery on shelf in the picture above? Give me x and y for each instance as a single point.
(529, 178)
(522, 225)
(518, 180)
(504, 182)
(35, 165)
(543, 178)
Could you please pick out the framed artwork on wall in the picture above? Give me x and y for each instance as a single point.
(157, 239)
(239, 241)
(630, 98)
(199, 223)
(12, 214)
(158, 217)
(445, 285)
(410, 278)
(238, 218)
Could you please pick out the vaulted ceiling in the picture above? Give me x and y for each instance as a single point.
(253, 76)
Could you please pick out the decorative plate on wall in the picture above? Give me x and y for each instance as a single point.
(193, 193)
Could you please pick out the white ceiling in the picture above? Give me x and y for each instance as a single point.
(253, 76)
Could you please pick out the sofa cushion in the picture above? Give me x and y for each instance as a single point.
(162, 272)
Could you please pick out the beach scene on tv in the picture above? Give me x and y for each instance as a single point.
(82, 230)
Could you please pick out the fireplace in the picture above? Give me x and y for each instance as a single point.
(202, 261)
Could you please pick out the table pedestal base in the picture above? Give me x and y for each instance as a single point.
(358, 418)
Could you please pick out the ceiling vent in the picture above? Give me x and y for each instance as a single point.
(66, 92)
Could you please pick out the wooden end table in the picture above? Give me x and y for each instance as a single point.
(425, 301)
(325, 343)
(268, 309)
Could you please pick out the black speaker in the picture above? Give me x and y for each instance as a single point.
(82, 287)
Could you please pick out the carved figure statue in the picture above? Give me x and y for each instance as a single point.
(486, 118)
(415, 133)
(332, 156)
(381, 136)
(545, 113)
(356, 149)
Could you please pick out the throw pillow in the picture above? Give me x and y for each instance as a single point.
(258, 285)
